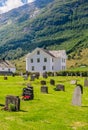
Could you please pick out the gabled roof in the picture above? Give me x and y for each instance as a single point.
(6, 64)
(54, 53)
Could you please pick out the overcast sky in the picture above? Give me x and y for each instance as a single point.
(10, 4)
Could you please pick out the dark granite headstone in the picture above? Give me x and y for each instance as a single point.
(86, 82)
(43, 82)
(76, 100)
(44, 89)
(60, 87)
(52, 82)
(28, 93)
(15, 100)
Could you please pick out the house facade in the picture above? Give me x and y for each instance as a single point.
(6, 66)
(41, 60)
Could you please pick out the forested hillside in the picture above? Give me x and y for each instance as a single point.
(51, 24)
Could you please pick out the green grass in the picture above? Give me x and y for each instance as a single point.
(52, 111)
(83, 68)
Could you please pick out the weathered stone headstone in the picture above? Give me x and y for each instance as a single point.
(52, 82)
(45, 75)
(77, 95)
(12, 100)
(44, 89)
(28, 93)
(60, 87)
(43, 82)
(86, 82)
(73, 82)
(25, 77)
(5, 77)
(37, 75)
(32, 77)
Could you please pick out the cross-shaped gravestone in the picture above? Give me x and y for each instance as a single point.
(12, 101)
(77, 95)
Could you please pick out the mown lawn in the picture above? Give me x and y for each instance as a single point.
(52, 111)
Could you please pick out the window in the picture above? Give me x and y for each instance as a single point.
(52, 60)
(45, 59)
(38, 59)
(38, 52)
(63, 60)
(31, 60)
(44, 67)
(32, 67)
(63, 67)
(52, 68)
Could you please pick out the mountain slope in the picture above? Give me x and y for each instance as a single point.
(52, 24)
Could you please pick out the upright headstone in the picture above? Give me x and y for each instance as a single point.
(44, 89)
(60, 87)
(43, 82)
(77, 95)
(27, 93)
(5, 77)
(52, 81)
(45, 75)
(25, 77)
(12, 100)
(86, 82)
(32, 77)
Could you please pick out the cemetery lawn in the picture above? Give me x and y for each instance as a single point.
(52, 111)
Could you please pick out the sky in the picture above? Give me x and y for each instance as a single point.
(11, 4)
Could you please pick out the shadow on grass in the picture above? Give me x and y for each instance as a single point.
(22, 111)
(2, 105)
(84, 106)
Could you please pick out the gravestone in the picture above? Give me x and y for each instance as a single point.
(12, 100)
(32, 77)
(45, 75)
(37, 75)
(44, 89)
(5, 78)
(28, 93)
(60, 87)
(52, 82)
(25, 77)
(77, 95)
(43, 82)
(73, 82)
(86, 82)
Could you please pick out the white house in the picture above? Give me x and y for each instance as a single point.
(6, 66)
(41, 60)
